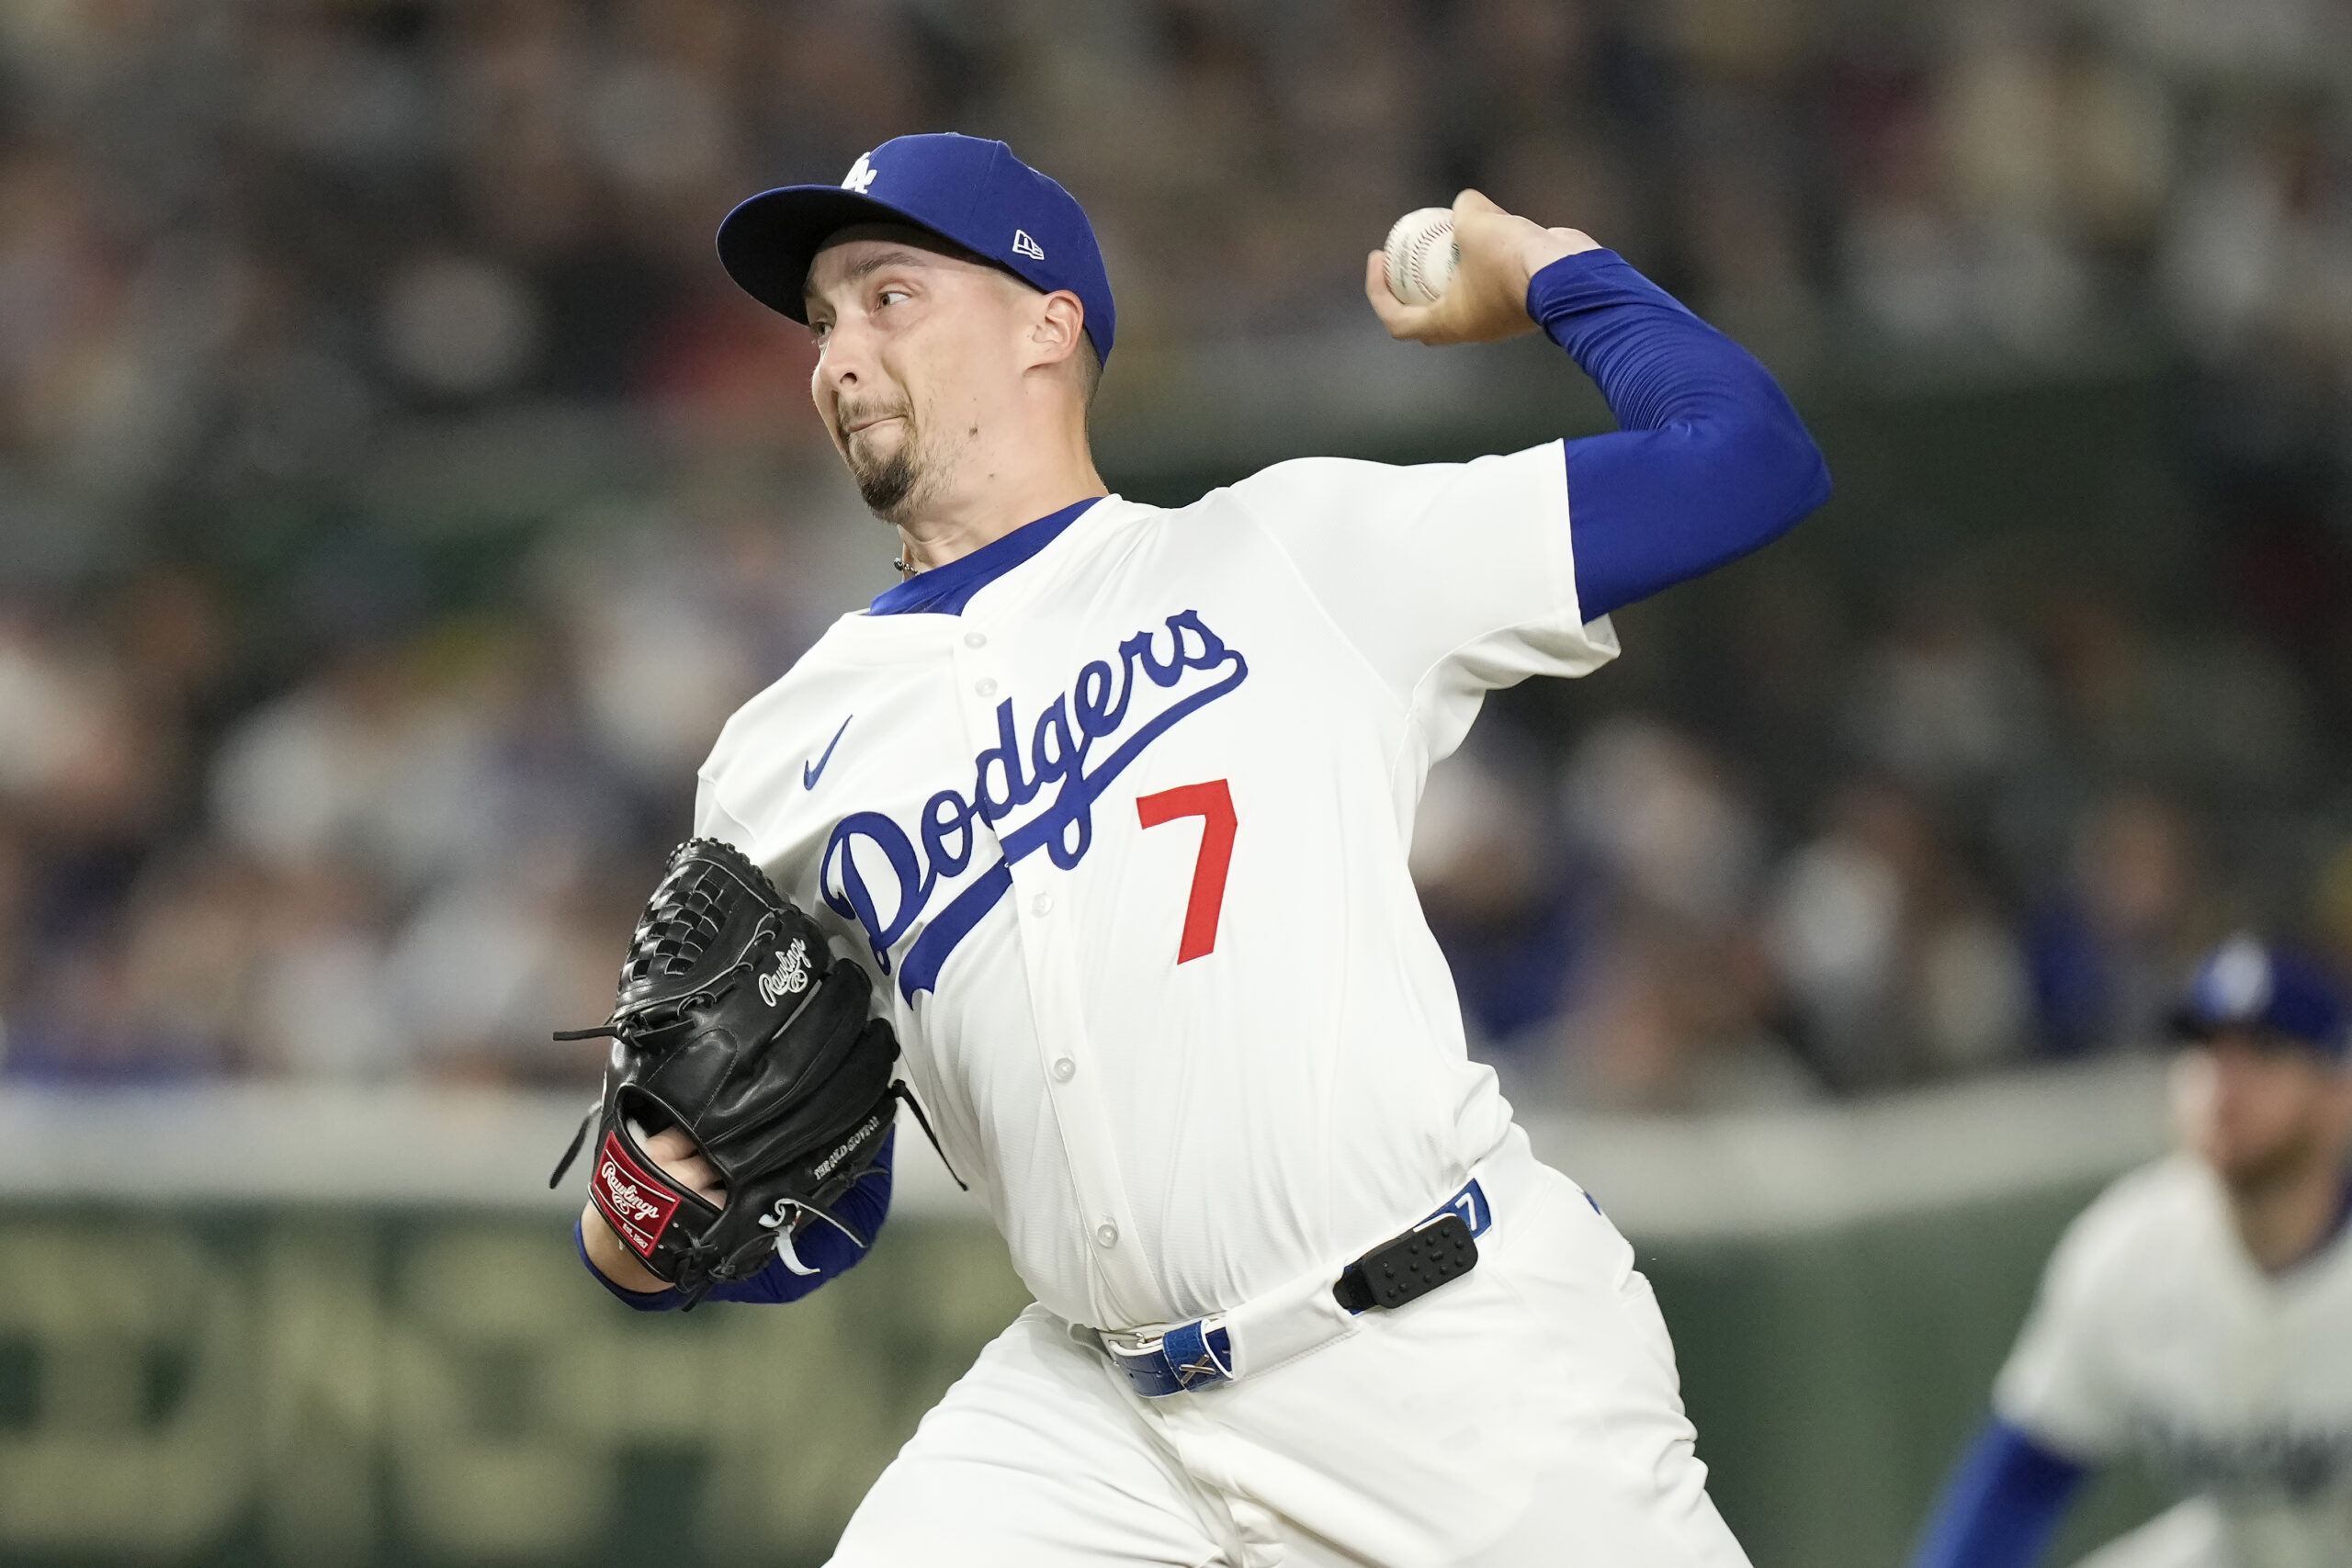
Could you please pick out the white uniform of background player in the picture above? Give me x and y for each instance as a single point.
(1122, 840)
(2200, 1313)
(2157, 1334)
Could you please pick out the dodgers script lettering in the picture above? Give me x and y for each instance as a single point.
(885, 876)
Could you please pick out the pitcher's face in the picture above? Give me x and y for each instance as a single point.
(914, 345)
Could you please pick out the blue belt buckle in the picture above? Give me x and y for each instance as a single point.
(1190, 1356)
(1198, 1354)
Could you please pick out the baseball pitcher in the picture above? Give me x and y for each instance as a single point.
(1092, 830)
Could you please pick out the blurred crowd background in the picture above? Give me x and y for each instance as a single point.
(395, 496)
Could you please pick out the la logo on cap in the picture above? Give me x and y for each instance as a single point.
(861, 174)
(1022, 245)
(2239, 980)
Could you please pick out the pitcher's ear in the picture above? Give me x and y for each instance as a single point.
(1060, 326)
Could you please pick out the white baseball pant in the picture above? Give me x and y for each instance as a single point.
(1526, 1414)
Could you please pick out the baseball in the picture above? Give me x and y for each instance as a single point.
(1421, 255)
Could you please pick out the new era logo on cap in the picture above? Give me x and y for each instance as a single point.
(971, 191)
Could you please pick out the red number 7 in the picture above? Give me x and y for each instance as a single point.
(1213, 804)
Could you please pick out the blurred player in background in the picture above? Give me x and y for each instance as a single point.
(2200, 1312)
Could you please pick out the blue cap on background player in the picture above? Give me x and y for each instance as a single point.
(973, 192)
(2245, 984)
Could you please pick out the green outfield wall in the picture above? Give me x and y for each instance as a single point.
(246, 1387)
(235, 1387)
(210, 1380)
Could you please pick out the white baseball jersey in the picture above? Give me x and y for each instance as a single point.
(2155, 1331)
(1123, 846)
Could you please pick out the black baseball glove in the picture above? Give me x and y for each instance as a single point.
(737, 1025)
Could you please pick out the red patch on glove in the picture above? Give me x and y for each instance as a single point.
(637, 1203)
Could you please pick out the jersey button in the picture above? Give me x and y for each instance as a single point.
(1106, 1234)
(976, 639)
(987, 688)
(1043, 904)
(1064, 1069)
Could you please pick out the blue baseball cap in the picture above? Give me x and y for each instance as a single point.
(973, 192)
(2246, 984)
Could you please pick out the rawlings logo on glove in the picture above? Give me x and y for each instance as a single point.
(791, 977)
(619, 1193)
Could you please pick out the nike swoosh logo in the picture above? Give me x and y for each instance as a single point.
(810, 773)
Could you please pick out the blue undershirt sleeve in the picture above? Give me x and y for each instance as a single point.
(1709, 462)
(821, 1250)
(2002, 1505)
